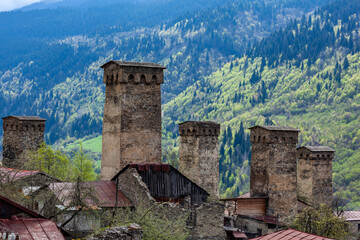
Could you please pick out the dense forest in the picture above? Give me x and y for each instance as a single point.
(241, 63)
(317, 93)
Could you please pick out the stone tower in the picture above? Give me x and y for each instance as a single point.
(21, 133)
(199, 154)
(132, 115)
(314, 174)
(273, 167)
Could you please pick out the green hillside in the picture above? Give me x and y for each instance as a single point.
(317, 93)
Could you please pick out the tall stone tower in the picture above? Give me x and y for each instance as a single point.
(132, 115)
(273, 167)
(199, 154)
(21, 133)
(314, 175)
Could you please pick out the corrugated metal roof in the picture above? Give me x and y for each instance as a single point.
(276, 128)
(135, 64)
(26, 118)
(101, 193)
(351, 215)
(291, 234)
(10, 174)
(32, 228)
(318, 148)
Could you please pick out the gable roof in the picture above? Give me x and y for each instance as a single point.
(18, 207)
(156, 167)
(100, 194)
(291, 234)
(134, 64)
(10, 174)
(31, 228)
(318, 148)
(276, 128)
(26, 118)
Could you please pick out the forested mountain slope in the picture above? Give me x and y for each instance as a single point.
(306, 75)
(50, 66)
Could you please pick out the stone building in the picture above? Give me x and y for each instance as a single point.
(199, 154)
(314, 174)
(132, 115)
(21, 133)
(273, 168)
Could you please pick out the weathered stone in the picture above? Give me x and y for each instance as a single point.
(132, 115)
(199, 154)
(314, 174)
(21, 134)
(131, 232)
(273, 168)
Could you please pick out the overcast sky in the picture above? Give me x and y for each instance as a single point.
(7, 5)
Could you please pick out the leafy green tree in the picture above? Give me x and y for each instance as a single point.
(82, 166)
(53, 162)
(322, 222)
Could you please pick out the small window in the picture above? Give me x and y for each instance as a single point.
(131, 78)
(142, 79)
(283, 139)
(259, 231)
(358, 227)
(153, 79)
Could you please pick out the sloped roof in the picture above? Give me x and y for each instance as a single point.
(32, 228)
(10, 174)
(318, 148)
(276, 128)
(18, 207)
(96, 194)
(26, 118)
(134, 64)
(351, 215)
(291, 234)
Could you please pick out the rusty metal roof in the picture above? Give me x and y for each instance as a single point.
(291, 234)
(10, 174)
(318, 148)
(18, 207)
(26, 118)
(32, 228)
(276, 128)
(201, 123)
(134, 64)
(238, 234)
(351, 215)
(100, 193)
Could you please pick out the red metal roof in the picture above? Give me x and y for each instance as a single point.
(246, 195)
(157, 167)
(20, 208)
(238, 234)
(351, 215)
(292, 234)
(103, 193)
(10, 174)
(32, 228)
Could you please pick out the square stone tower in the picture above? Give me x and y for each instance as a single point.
(132, 115)
(314, 174)
(199, 154)
(273, 167)
(21, 133)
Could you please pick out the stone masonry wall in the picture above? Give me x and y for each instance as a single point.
(199, 154)
(132, 117)
(273, 168)
(19, 137)
(315, 175)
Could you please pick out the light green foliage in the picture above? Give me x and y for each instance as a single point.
(53, 162)
(83, 166)
(322, 222)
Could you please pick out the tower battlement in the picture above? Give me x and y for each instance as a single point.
(21, 133)
(132, 115)
(199, 154)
